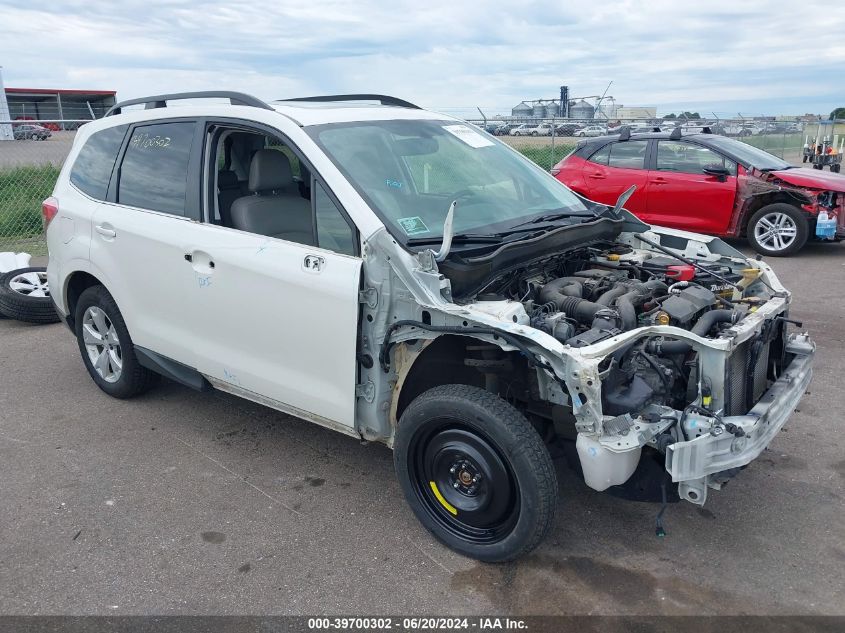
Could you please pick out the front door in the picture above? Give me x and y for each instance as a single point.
(682, 196)
(277, 319)
(275, 306)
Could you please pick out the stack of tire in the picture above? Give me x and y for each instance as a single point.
(25, 296)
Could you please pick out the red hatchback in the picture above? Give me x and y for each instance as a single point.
(710, 184)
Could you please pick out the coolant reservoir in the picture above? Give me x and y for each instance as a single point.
(603, 468)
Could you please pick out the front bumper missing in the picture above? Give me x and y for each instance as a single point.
(692, 463)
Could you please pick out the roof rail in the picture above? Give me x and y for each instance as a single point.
(160, 101)
(382, 99)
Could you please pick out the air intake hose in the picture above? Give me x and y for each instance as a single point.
(701, 328)
(637, 293)
(562, 287)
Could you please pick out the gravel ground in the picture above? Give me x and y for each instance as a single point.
(186, 503)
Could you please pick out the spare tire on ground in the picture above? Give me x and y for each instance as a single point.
(25, 296)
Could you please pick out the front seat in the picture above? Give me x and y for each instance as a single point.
(275, 208)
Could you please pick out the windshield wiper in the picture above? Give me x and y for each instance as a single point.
(551, 217)
(766, 170)
(460, 238)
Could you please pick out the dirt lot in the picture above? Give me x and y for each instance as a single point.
(181, 502)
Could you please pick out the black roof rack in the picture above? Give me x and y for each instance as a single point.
(160, 101)
(382, 99)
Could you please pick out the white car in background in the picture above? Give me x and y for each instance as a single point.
(592, 130)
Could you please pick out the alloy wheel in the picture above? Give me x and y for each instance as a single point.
(30, 284)
(775, 231)
(102, 344)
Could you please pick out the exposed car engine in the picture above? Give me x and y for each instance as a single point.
(602, 291)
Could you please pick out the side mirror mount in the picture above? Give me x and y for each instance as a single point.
(720, 173)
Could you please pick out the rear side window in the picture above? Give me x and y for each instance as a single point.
(628, 154)
(154, 172)
(92, 169)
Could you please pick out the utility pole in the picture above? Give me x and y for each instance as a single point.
(6, 133)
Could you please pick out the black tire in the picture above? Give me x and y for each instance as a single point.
(798, 218)
(133, 379)
(452, 433)
(20, 304)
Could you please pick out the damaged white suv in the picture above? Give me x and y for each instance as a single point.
(398, 275)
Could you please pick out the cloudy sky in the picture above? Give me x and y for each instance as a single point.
(749, 56)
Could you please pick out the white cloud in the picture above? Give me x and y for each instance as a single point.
(454, 54)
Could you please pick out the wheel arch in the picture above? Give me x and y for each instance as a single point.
(758, 201)
(442, 361)
(77, 283)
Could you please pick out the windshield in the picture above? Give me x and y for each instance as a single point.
(748, 154)
(411, 171)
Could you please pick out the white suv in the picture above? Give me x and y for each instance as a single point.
(397, 275)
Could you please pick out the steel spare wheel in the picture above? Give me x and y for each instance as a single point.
(25, 296)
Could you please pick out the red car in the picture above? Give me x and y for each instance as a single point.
(710, 184)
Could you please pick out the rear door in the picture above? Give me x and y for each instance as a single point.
(615, 167)
(682, 196)
(142, 233)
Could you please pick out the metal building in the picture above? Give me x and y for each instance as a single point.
(55, 104)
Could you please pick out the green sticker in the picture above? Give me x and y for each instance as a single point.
(413, 226)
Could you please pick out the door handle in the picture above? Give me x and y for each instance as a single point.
(659, 181)
(597, 176)
(105, 231)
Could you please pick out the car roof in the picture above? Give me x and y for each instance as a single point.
(321, 112)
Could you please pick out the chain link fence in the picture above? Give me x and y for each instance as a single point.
(31, 157)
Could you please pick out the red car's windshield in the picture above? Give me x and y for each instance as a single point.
(748, 154)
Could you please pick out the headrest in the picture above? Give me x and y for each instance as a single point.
(227, 179)
(269, 169)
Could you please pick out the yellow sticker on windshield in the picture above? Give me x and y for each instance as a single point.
(452, 509)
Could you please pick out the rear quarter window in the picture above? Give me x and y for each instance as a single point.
(93, 166)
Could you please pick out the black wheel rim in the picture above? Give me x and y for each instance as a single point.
(463, 482)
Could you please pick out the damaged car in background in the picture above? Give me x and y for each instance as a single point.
(710, 184)
(442, 294)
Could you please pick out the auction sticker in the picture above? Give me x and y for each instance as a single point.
(413, 226)
(468, 135)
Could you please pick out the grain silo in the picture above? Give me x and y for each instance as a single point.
(521, 111)
(581, 110)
